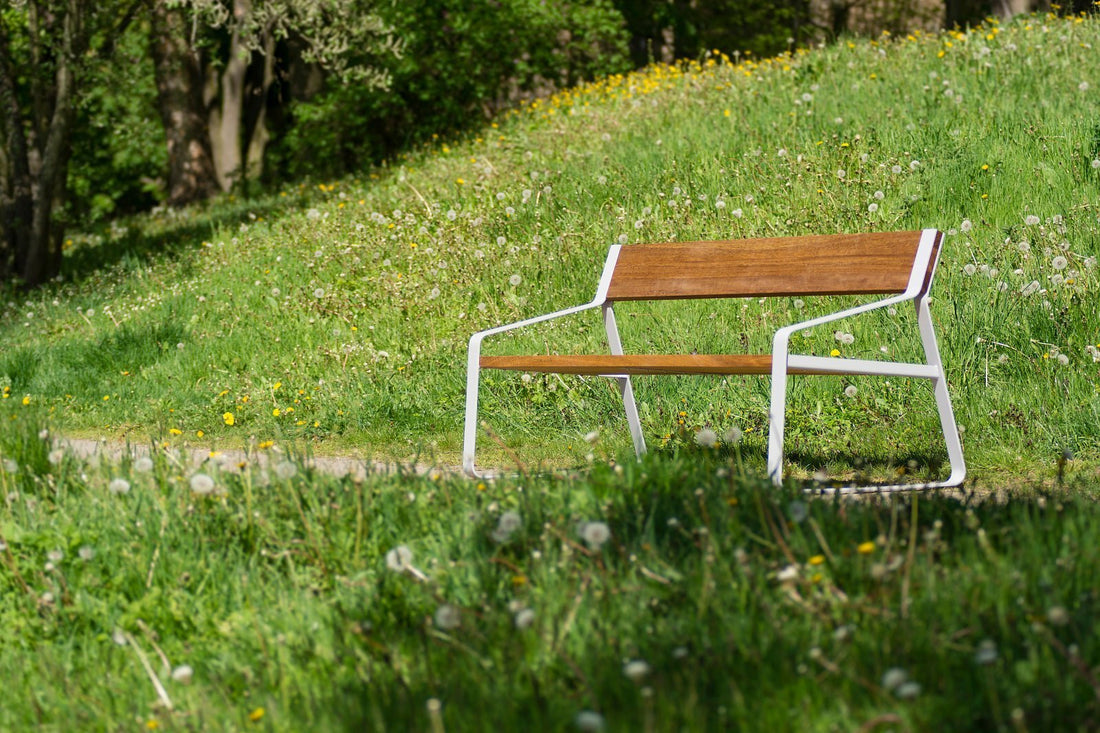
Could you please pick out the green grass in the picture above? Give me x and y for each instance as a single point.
(751, 608)
(333, 318)
(357, 296)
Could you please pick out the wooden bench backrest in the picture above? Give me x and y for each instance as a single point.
(840, 264)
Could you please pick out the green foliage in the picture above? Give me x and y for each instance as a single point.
(689, 29)
(461, 63)
(119, 154)
(671, 594)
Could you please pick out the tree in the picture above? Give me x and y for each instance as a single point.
(44, 46)
(235, 50)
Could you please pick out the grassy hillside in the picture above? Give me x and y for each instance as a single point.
(338, 312)
(682, 592)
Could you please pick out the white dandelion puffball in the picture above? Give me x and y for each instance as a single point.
(447, 617)
(733, 436)
(515, 280)
(202, 484)
(851, 390)
(524, 618)
(143, 464)
(119, 486)
(509, 521)
(286, 470)
(595, 534)
(706, 438)
(636, 670)
(399, 558)
(183, 674)
(1031, 220)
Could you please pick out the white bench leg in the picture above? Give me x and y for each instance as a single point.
(615, 345)
(943, 399)
(632, 419)
(469, 437)
(777, 411)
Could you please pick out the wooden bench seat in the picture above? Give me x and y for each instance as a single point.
(897, 265)
(611, 365)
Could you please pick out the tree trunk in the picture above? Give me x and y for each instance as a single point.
(16, 194)
(257, 134)
(191, 173)
(43, 256)
(226, 120)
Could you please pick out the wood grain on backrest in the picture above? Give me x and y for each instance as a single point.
(840, 264)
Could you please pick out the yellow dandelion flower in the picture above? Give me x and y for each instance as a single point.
(834, 352)
(866, 548)
(816, 560)
(199, 433)
(152, 724)
(256, 715)
(276, 412)
(229, 419)
(175, 431)
(26, 399)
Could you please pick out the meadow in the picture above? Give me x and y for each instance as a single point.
(679, 592)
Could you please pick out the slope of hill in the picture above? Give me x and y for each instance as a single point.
(338, 312)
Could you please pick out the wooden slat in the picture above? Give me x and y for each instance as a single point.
(595, 364)
(840, 264)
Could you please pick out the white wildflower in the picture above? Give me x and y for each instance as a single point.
(706, 438)
(524, 618)
(447, 617)
(595, 534)
(893, 678)
(636, 670)
(589, 721)
(1059, 263)
(119, 486)
(399, 559)
(986, 653)
(202, 484)
(183, 674)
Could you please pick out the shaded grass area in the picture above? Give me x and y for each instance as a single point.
(675, 593)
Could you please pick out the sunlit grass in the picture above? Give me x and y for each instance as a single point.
(357, 296)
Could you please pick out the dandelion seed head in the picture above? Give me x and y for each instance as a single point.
(908, 690)
(447, 617)
(285, 470)
(595, 534)
(706, 438)
(119, 486)
(202, 484)
(399, 559)
(1057, 616)
(893, 678)
(1031, 220)
(733, 436)
(851, 390)
(56, 456)
(183, 674)
(1059, 262)
(986, 653)
(515, 280)
(589, 721)
(965, 226)
(143, 464)
(636, 670)
(524, 618)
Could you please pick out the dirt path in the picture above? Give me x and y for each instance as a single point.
(233, 460)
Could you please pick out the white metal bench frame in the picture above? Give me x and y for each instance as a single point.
(782, 364)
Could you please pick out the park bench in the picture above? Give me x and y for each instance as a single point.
(898, 265)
